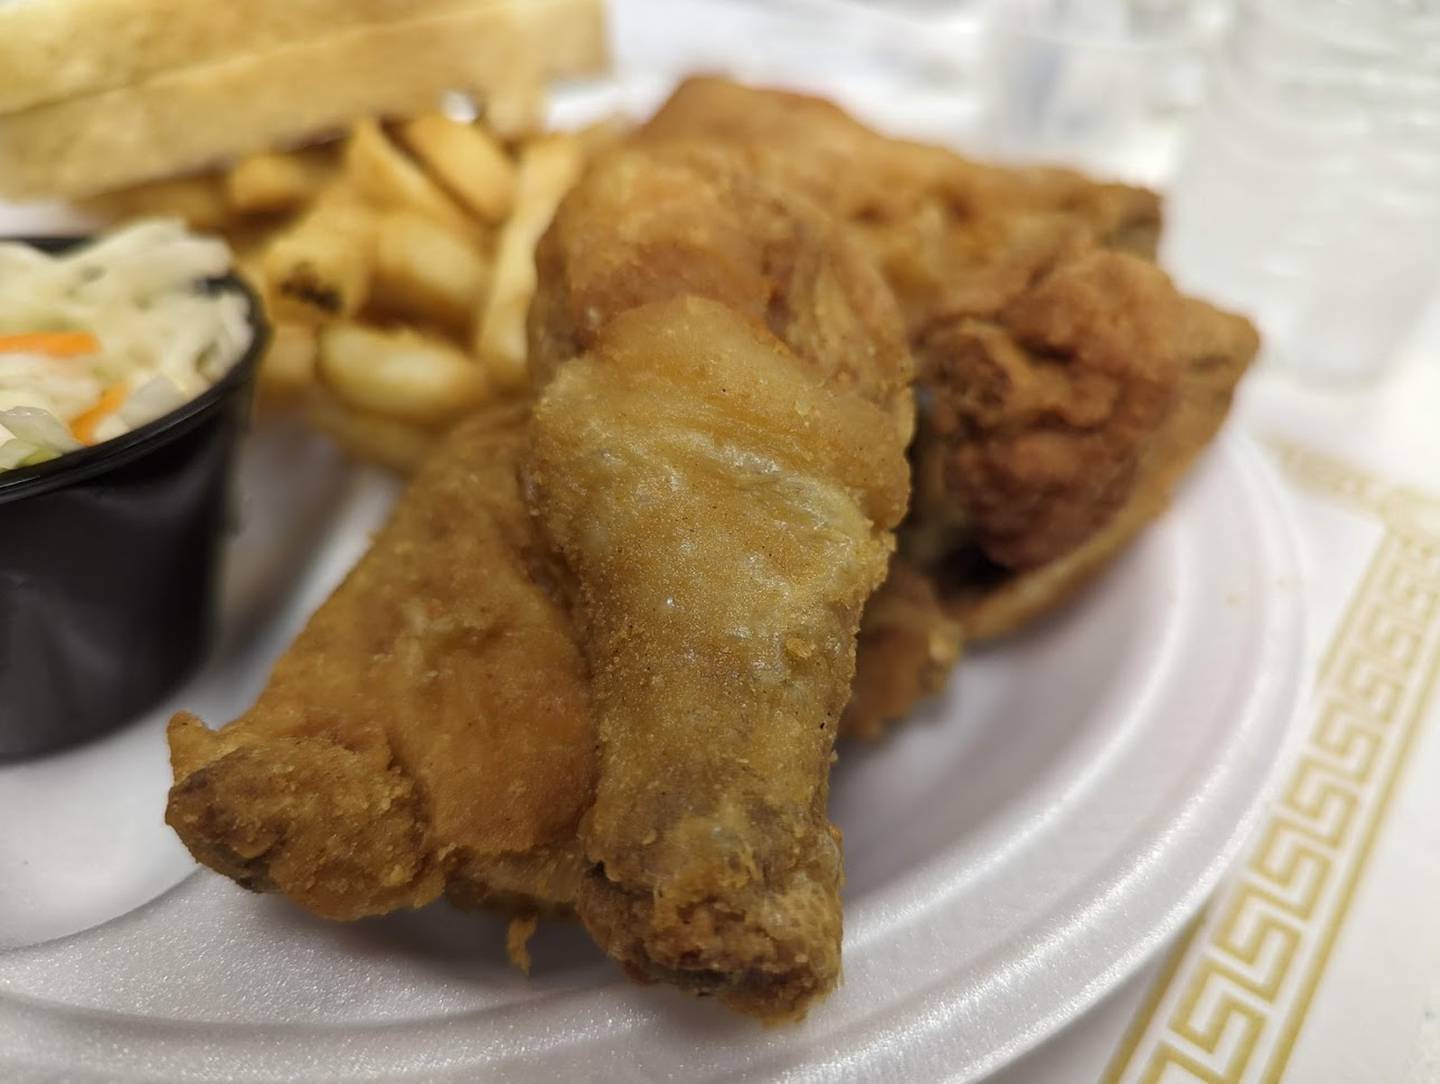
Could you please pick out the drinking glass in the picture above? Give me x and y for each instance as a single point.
(1309, 192)
(1100, 84)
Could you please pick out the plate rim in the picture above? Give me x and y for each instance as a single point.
(1272, 519)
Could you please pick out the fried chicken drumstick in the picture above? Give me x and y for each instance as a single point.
(721, 471)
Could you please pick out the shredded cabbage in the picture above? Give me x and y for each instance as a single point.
(39, 427)
(162, 339)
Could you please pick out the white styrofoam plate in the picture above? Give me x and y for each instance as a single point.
(1012, 853)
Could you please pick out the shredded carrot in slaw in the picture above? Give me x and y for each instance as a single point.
(126, 308)
(83, 425)
(55, 344)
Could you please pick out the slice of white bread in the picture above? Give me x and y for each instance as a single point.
(51, 50)
(183, 119)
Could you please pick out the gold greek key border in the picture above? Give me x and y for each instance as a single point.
(1399, 506)
(1230, 1002)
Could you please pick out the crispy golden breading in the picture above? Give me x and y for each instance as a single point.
(1041, 413)
(687, 218)
(1056, 428)
(430, 728)
(1213, 348)
(343, 789)
(726, 514)
(721, 471)
(1064, 385)
(944, 230)
(907, 647)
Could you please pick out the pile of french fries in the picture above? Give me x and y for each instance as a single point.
(397, 266)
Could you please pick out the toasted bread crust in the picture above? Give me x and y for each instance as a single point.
(186, 118)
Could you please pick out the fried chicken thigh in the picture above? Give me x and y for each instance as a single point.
(1057, 427)
(430, 729)
(1064, 384)
(947, 232)
(721, 471)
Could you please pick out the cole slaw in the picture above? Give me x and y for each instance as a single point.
(102, 338)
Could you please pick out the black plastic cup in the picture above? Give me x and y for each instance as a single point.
(110, 562)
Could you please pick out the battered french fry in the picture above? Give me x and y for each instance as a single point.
(398, 445)
(424, 270)
(466, 160)
(386, 177)
(288, 367)
(321, 267)
(274, 181)
(200, 201)
(430, 222)
(548, 168)
(399, 374)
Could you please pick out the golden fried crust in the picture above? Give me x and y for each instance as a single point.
(1057, 429)
(939, 225)
(1214, 348)
(1043, 413)
(1063, 386)
(908, 645)
(726, 512)
(721, 472)
(266, 816)
(689, 218)
(431, 722)
(1038, 402)
(1067, 390)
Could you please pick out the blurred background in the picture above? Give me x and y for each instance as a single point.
(1298, 141)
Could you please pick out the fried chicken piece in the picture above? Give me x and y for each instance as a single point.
(946, 231)
(429, 731)
(1057, 428)
(687, 219)
(907, 647)
(1009, 302)
(1040, 414)
(726, 514)
(1064, 384)
(1017, 448)
(721, 471)
(384, 761)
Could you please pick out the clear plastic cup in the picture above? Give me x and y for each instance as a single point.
(1309, 191)
(1099, 84)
